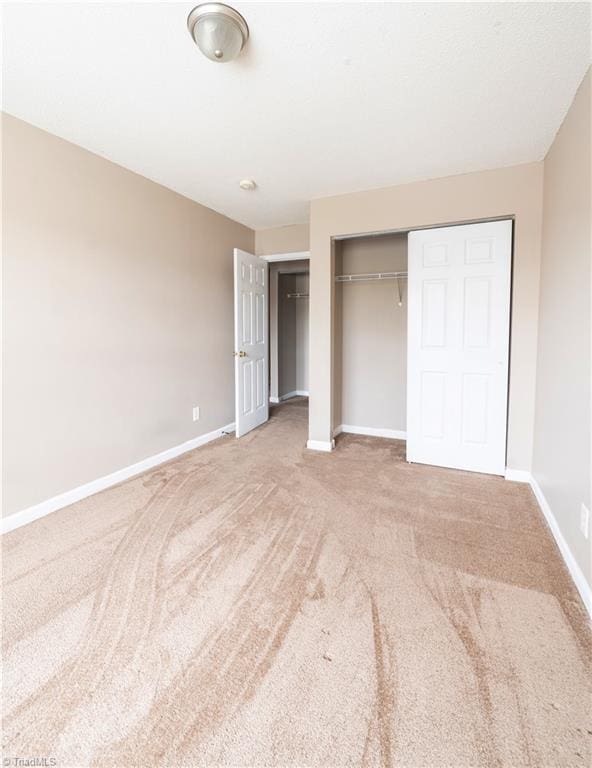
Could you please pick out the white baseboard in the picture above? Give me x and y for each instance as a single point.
(320, 445)
(393, 434)
(572, 566)
(88, 489)
(295, 393)
(518, 475)
(576, 573)
(274, 400)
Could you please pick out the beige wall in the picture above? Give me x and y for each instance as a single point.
(370, 335)
(562, 452)
(118, 297)
(290, 239)
(515, 191)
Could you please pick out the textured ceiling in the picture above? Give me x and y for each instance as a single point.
(327, 97)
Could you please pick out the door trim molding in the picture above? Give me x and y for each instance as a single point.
(576, 573)
(292, 256)
(62, 500)
(418, 227)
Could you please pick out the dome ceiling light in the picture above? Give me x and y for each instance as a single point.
(218, 30)
(247, 184)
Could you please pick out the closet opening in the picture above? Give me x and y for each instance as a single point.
(421, 341)
(370, 341)
(288, 329)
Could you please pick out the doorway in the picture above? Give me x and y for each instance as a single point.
(288, 330)
(271, 327)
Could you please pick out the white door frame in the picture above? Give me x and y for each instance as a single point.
(292, 256)
(273, 310)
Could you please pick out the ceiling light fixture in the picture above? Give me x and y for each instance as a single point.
(218, 30)
(247, 184)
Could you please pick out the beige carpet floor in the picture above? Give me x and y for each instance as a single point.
(253, 603)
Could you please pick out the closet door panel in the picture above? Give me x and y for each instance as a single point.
(458, 345)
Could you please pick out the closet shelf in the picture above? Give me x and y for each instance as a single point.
(371, 276)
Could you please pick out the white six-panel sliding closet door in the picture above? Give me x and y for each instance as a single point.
(458, 345)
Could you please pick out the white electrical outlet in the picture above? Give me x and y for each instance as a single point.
(585, 520)
(196, 413)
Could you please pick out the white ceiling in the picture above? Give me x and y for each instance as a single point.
(326, 98)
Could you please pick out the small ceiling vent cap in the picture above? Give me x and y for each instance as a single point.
(247, 184)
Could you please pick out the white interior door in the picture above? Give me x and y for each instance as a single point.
(250, 341)
(458, 345)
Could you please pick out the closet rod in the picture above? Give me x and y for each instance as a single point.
(371, 276)
(298, 295)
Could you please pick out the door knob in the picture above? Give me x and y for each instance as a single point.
(240, 354)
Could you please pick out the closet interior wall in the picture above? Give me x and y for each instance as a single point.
(370, 349)
(288, 329)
